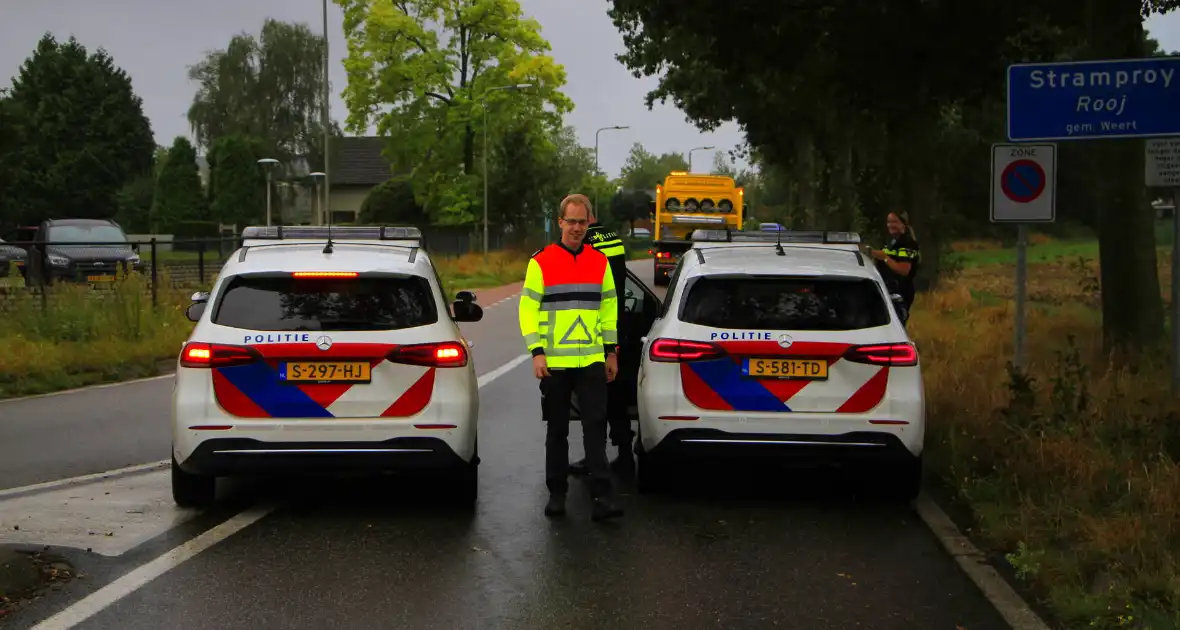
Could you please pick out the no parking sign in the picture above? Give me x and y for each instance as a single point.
(1024, 183)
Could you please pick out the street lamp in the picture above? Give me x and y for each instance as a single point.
(596, 133)
(268, 164)
(518, 86)
(326, 118)
(315, 178)
(690, 155)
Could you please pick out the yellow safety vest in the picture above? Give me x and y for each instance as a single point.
(569, 307)
(605, 241)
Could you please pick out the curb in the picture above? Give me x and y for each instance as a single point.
(995, 588)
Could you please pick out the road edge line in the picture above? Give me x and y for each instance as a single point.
(486, 379)
(108, 595)
(81, 479)
(77, 390)
(995, 588)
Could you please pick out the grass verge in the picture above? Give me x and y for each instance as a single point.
(1069, 470)
(78, 336)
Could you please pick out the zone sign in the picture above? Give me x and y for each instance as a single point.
(1024, 183)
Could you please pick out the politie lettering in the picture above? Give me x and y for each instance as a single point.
(741, 335)
(278, 338)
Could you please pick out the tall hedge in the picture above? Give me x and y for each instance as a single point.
(237, 182)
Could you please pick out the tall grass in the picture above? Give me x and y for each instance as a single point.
(74, 336)
(1070, 467)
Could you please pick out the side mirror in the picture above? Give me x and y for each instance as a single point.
(200, 296)
(466, 310)
(194, 311)
(135, 247)
(465, 296)
(897, 299)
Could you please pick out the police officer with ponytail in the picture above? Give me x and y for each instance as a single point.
(898, 261)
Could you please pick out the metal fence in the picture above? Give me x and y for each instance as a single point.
(179, 263)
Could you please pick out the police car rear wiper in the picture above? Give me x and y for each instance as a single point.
(338, 324)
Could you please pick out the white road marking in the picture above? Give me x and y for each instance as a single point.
(996, 589)
(108, 518)
(110, 594)
(502, 370)
(104, 597)
(48, 485)
(87, 388)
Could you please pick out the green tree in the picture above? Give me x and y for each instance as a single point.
(629, 206)
(392, 203)
(722, 165)
(178, 193)
(643, 170)
(268, 87)
(237, 185)
(866, 107)
(424, 70)
(82, 134)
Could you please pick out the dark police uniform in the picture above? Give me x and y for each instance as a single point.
(903, 249)
(608, 242)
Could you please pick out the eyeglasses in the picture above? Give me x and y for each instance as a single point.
(577, 221)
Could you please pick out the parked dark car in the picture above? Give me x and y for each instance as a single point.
(10, 254)
(76, 250)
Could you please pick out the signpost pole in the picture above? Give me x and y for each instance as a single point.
(1018, 357)
(1175, 292)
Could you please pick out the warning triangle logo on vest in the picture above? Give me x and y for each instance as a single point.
(572, 335)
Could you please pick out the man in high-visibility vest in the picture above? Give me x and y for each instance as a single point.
(608, 242)
(569, 317)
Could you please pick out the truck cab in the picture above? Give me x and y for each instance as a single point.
(687, 202)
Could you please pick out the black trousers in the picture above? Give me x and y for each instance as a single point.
(616, 414)
(590, 384)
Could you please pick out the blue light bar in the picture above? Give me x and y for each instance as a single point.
(341, 233)
(785, 237)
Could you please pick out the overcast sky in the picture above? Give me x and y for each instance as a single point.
(155, 41)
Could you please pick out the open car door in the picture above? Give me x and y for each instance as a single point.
(640, 309)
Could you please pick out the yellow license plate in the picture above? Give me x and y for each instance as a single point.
(809, 369)
(100, 278)
(326, 371)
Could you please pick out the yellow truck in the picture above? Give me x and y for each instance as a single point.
(687, 202)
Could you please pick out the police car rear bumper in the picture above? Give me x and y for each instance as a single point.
(244, 456)
(862, 447)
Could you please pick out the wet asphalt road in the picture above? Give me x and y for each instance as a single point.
(793, 551)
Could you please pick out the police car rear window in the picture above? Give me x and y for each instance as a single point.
(778, 303)
(365, 303)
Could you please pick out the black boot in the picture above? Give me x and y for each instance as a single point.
(579, 467)
(605, 508)
(625, 463)
(556, 505)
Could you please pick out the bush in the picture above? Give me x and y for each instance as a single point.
(80, 336)
(1070, 468)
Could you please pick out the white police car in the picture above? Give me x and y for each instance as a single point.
(782, 344)
(327, 354)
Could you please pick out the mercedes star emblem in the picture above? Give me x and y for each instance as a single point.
(323, 343)
(785, 341)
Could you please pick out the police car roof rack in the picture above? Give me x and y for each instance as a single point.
(337, 233)
(778, 237)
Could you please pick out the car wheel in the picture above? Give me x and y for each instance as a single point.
(903, 481)
(192, 491)
(651, 475)
(466, 485)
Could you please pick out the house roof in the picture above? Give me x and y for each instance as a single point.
(357, 161)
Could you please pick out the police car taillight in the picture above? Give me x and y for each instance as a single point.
(680, 350)
(889, 354)
(196, 354)
(443, 354)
